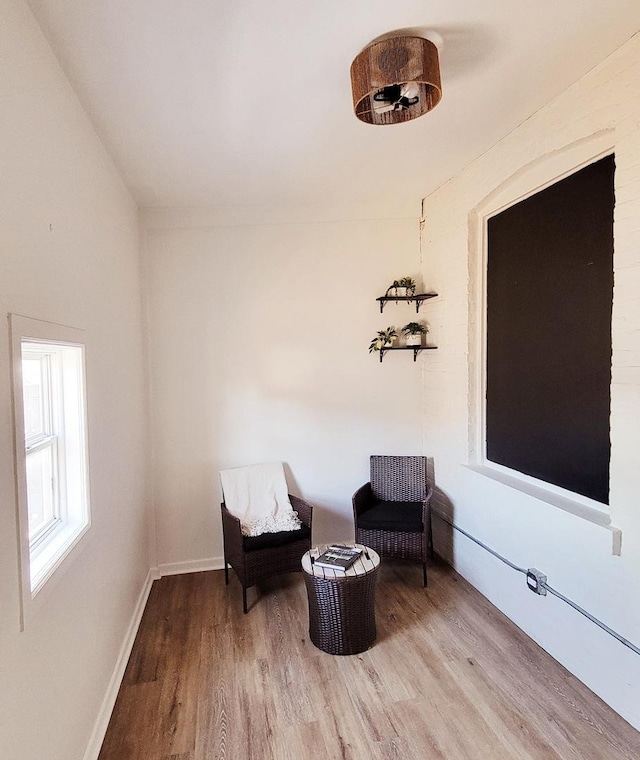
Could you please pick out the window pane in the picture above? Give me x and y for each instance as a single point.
(34, 390)
(40, 498)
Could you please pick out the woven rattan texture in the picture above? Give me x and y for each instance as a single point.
(254, 566)
(395, 543)
(395, 478)
(342, 612)
(398, 478)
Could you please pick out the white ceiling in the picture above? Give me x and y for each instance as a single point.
(248, 102)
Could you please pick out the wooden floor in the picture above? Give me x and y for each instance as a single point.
(449, 678)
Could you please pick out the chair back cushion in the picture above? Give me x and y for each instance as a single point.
(398, 478)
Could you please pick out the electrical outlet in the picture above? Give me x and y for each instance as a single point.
(536, 581)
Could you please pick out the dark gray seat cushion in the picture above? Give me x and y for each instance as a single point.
(271, 540)
(405, 516)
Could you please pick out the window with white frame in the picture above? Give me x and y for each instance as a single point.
(51, 446)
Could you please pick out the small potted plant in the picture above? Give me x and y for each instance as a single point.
(413, 332)
(405, 286)
(409, 284)
(383, 339)
(392, 290)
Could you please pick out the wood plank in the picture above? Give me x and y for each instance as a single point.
(449, 678)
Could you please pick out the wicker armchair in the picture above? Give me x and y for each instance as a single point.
(256, 558)
(392, 512)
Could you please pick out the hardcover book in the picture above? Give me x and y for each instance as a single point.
(338, 557)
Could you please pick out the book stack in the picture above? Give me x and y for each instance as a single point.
(338, 557)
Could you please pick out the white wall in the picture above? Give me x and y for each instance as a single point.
(601, 109)
(68, 254)
(259, 336)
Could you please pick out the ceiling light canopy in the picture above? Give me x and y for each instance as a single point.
(395, 79)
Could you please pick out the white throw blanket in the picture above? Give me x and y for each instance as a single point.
(257, 495)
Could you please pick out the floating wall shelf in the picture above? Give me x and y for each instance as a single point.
(418, 298)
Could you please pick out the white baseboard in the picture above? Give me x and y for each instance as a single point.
(191, 566)
(104, 714)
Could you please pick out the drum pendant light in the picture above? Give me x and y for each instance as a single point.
(395, 79)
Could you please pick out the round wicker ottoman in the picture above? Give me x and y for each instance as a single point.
(342, 604)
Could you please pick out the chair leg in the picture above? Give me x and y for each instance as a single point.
(226, 572)
(424, 574)
(244, 600)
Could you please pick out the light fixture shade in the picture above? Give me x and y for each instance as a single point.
(396, 79)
